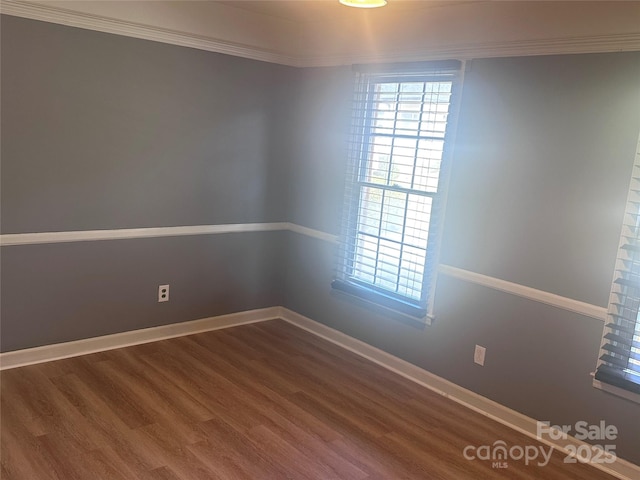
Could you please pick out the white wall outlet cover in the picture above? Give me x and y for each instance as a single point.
(163, 293)
(478, 355)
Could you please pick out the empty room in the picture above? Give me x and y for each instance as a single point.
(319, 239)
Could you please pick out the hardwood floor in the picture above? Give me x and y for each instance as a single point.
(262, 401)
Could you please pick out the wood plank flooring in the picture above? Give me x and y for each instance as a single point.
(263, 401)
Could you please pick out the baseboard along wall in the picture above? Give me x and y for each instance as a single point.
(619, 468)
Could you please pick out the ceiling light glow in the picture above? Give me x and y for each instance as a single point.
(364, 3)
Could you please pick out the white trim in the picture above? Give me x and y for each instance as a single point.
(47, 353)
(451, 131)
(47, 13)
(310, 232)
(12, 239)
(552, 46)
(566, 45)
(152, 232)
(541, 296)
(620, 468)
(620, 392)
(620, 266)
(124, 233)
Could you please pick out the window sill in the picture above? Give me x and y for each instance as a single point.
(619, 392)
(377, 300)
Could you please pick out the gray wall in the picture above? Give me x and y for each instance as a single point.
(103, 132)
(318, 121)
(541, 172)
(70, 291)
(538, 186)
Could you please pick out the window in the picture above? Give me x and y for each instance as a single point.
(619, 363)
(398, 151)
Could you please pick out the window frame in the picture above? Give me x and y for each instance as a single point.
(448, 71)
(609, 377)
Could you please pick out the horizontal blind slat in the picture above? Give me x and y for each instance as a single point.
(620, 357)
(395, 155)
(623, 339)
(613, 361)
(621, 351)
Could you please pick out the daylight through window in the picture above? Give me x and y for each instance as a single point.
(619, 362)
(398, 149)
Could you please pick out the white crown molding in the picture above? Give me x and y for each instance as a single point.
(563, 45)
(99, 23)
(556, 46)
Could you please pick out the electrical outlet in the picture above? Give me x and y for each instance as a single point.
(478, 355)
(163, 293)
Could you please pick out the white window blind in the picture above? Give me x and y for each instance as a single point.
(619, 362)
(393, 202)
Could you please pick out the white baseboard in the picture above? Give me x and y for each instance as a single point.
(620, 468)
(47, 353)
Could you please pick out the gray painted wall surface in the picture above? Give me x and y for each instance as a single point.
(318, 120)
(101, 131)
(69, 291)
(542, 166)
(541, 169)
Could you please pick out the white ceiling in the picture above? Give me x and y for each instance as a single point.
(324, 32)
